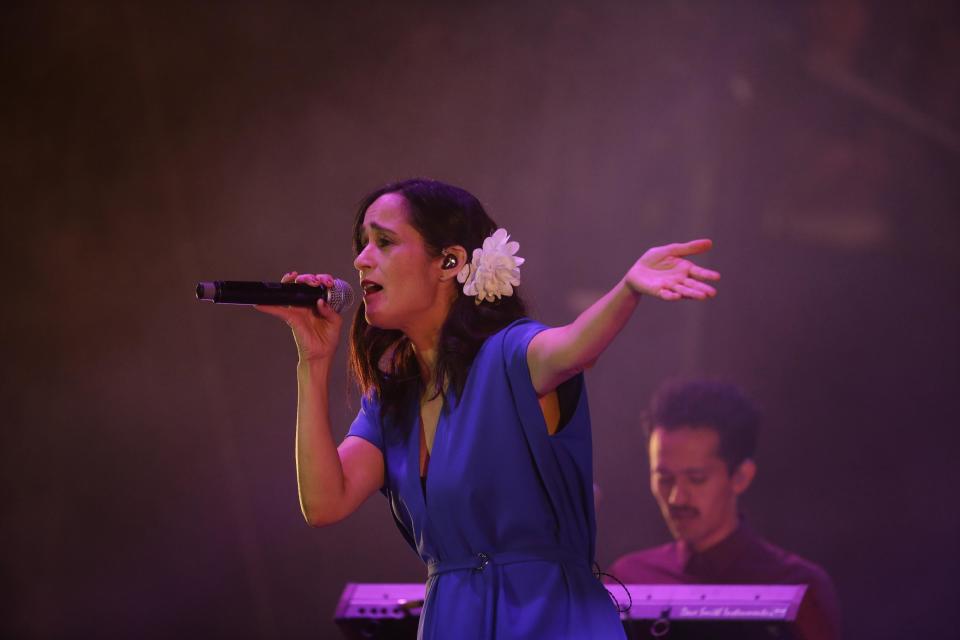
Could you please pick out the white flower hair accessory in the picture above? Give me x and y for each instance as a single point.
(494, 270)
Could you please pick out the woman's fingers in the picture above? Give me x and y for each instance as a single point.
(687, 288)
(702, 287)
(326, 279)
(703, 274)
(314, 279)
(325, 312)
(689, 292)
(690, 248)
(667, 294)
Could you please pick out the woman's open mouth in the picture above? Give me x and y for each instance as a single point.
(369, 288)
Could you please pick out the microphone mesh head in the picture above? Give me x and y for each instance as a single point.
(340, 295)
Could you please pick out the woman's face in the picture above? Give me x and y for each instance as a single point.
(399, 278)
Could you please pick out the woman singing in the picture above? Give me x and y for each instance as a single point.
(473, 418)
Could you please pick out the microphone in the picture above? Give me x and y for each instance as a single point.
(339, 296)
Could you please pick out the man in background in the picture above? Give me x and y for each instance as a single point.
(701, 439)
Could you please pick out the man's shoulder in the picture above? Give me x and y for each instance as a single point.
(654, 565)
(819, 615)
(790, 567)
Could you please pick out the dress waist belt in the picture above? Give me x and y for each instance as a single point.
(480, 561)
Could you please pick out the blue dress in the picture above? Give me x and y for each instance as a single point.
(506, 523)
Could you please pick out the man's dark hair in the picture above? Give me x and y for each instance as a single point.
(720, 406)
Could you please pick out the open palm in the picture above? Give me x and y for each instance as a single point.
(666, 273)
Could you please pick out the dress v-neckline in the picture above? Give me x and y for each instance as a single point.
(424, 453)
(426, 445)
(422, 463)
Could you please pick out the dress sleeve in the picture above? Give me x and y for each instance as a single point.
(367, 423)
(570, 393)
(516, 339)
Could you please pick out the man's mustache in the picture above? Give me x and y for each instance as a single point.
(683, 512)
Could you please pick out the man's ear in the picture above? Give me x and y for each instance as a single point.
(452, 260)
(744, 475)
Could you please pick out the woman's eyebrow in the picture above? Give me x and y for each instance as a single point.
(382, 229)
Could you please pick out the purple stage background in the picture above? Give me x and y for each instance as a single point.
(147, 464)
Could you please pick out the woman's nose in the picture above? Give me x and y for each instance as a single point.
(362, 262)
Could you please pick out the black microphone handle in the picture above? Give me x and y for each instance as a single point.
(266, 293)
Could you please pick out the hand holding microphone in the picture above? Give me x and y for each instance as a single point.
(314, 302)
(339, 295)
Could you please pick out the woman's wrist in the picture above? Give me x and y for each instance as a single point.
(314, 364)
(629, 289)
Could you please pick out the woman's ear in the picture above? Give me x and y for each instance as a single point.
(452, 260)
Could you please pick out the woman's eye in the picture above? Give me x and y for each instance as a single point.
(383, 242)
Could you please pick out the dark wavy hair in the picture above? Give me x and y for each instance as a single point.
(444, 216)
(710, 404)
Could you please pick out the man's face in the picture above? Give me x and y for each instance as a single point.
(696, 493)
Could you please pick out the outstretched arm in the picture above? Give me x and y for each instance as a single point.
(555, 355)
